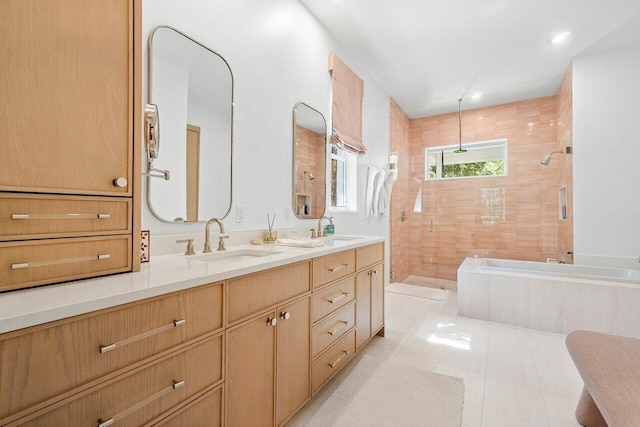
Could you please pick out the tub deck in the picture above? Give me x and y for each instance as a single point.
(556, 298)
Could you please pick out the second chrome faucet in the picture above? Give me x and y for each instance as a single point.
(322, 233)
(207, 238)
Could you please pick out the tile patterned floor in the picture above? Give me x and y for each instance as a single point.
(513, 376)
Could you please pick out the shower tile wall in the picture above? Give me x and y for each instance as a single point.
(400, 201)
(449, 226)
(309, 152)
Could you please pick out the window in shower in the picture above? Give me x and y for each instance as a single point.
(487, 158)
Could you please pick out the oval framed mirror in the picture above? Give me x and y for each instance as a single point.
(190, 180)
(309, 162)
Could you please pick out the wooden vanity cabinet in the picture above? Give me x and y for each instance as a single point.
(252, 350)
(268, 360)
(293, 364)
(143, 394)
(369, 292)
(69, 128)
(268, 366)
(48, 372)
(251, 360)
(67, 103)
(207, 411)
(370, 307)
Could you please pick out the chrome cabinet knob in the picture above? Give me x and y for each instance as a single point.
(272, 321)
(285, 315)
(120, 182)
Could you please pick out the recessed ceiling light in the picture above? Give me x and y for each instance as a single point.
(561, 37)
(476, 96)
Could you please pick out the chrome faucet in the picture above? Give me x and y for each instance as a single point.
(320, 232)
(207, 239)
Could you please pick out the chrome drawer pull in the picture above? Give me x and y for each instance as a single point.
(174, 386)
(61, 216)
(105, 348)
(338, 298)
(344, 322)
(20, 265)
(105, 423)
(340, 267)
(59, 261)
(333, 365)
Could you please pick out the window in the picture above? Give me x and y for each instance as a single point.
(488, 158)
(343, 179)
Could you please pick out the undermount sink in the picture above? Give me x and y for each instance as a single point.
(343, 237)
(229, 256)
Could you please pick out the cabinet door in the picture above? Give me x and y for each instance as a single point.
(293, 358)
(363, 308)
(251, 373)
(377, 298)
(67, 96)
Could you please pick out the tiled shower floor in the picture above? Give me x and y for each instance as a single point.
(450, 285)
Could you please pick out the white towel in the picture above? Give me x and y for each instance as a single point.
(300, 243)
(378, 182)
(384, 200)
(372, 173)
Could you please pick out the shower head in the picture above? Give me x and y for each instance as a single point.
(547, 158)
(311, 177)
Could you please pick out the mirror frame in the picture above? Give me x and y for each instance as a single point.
(293, 163)
(150, 101)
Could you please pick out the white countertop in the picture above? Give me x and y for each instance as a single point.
(162, 275)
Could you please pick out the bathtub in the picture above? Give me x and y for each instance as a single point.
(556, 298)
(580, 272)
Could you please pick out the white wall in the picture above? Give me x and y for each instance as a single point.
(278, 54)
(606, 159)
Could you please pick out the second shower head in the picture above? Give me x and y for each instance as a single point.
(545, 161)
(311, 177)
(547, 158)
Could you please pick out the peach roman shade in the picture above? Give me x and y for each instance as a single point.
(346, 111)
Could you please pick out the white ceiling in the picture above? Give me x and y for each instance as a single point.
(428, 53)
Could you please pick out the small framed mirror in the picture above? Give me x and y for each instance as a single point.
(309, 162)
(192, 89)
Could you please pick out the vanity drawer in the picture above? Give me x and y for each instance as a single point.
(256, 292)
(34, 216)
(369, 255)
(142, 395)
(332, 267)
(333, 297)
(204, 411)
(70, 353)
(332, 329)
(332, 361)
(38, 262)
